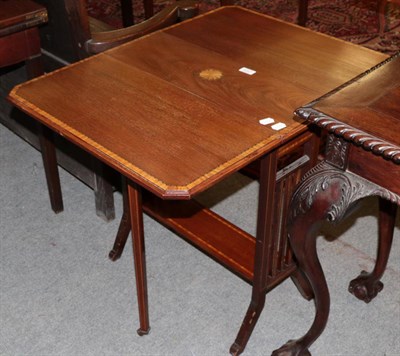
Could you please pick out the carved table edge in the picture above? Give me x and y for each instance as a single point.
(347, 132)
(351, 134)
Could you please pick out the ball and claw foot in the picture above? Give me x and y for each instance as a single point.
(142, 332)
(291, 348)
(364, 287)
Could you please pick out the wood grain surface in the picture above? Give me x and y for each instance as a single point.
(370, 104)
(14, 12)
(145, 109)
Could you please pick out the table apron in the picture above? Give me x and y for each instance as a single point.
(374, 168)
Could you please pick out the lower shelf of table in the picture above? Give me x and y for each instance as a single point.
(212, 234)
(228, 244)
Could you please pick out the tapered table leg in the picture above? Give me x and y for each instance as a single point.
(367, 285)
(148, 8)
(103, 191)
(49, 158)
(303, 13)
(136, 217)
(34, 68)
(34, 64)
(127, 13)
(263, 241)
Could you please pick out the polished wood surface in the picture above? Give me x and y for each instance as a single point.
(21, 14)
(26, 44)
(172, 112)
(182, 109)
(362, 159)
(264, 260)
(19, 37)
(208, 231)
(20, 42)
(370, 104)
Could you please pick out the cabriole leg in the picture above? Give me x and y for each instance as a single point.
(367, 285)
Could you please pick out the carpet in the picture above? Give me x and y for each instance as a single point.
(351, 20)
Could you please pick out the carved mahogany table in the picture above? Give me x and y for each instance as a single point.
(179, 110)
(362, 159)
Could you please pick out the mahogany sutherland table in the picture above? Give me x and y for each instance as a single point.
(179, 110)
(362, 159)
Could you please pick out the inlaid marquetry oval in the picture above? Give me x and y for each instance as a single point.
(211, 74)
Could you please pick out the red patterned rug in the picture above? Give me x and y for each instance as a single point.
(351, 20)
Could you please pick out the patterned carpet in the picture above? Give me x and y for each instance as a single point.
(352, 20)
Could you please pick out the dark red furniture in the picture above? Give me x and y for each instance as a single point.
(174, 113)
(362, 159)
(20, 42)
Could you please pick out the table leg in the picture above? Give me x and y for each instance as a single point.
(303, 13)
(34, 68)
(326, 193)
(264, 238)
(34, 63)
(136, 218)
(49, 158)
(311, 204)
(124, 226)
(367, 285)
(303, 233)
(127, 13)
(103, 191)
(148, 8)
(302, 284)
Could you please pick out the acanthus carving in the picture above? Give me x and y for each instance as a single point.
(341, 189)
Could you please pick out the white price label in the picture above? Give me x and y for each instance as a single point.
(247, 71)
